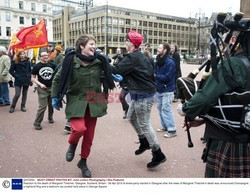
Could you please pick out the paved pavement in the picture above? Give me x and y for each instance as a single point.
(26, 152)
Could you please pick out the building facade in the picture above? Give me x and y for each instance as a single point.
(110, 24)
(245, 8)
(15, 15)
(58, 5)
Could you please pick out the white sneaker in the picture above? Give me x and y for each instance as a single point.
(169, 135)
(161, 130)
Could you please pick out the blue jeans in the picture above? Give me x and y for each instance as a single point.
(139, 115)
(4, 93)
(164, 101)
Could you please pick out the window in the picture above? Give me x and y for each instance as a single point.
(121, 21)
(33, 21)
(21, 20)
(33, 7)
(44, 8)
(20, 4)
(8, 31)
(7, 16)
(128, 21)
(121, 39)
(6, 3)
(115, 21)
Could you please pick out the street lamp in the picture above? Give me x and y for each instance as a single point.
(107, 29)
(86, 4)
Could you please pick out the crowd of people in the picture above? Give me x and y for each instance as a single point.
(146, 80)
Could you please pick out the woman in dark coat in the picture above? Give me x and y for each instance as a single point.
(20, 69)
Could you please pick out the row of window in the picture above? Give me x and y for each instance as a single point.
(122, 21)
(21, 5)
(21, 19)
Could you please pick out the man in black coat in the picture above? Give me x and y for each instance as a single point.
(138, 72)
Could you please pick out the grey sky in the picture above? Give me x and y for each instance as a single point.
(182, 8)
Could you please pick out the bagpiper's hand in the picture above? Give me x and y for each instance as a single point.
(179, 110)
(55, 103)
(117, 77)
(195, 123)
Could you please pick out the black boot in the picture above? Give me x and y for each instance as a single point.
(12, 109)
(144, 145)
(71, 152)
(82, 164)
(158, 158)
(23, 108)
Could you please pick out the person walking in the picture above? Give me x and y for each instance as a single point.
(165, 86)
(80, 79)
(21, 70)
(4, 77)
(176, 56)
(138, 72)
(42, 75)
(58, 58)
(124, 91)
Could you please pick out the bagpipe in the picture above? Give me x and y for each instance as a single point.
(219, 49)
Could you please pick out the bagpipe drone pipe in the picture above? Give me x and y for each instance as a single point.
(187, 86)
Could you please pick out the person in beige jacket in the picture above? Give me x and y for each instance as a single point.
(4, 77)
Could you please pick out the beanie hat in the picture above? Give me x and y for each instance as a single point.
(135, 38)
(59, 48)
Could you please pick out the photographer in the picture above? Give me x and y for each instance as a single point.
(224, 104)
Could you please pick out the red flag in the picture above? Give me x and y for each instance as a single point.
(32, 37)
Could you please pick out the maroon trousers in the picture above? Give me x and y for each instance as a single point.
(83, 127)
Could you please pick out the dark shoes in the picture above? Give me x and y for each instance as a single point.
(82, 164)
(70, 154)
(51, 120)
(67, 129)
(12, 109)
(144, 145)
(23, 109)
(158, 158)
(125, 114)
(37, 127)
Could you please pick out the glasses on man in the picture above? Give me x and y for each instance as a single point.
(44, 55)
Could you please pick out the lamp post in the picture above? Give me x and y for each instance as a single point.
(86, 4)
(199, 32)
(107, 29)
(189, 36)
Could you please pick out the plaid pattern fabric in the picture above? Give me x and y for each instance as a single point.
(228, 160)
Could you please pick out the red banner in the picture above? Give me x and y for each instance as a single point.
(32, 37)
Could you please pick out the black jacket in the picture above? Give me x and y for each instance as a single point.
(21, 72)
(138, 72)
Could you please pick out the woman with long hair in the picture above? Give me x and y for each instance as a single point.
(20, 69)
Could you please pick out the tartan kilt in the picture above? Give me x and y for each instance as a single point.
(228, 160)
